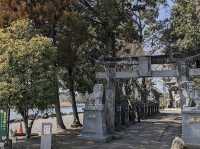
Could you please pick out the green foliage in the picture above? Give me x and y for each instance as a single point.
(69, 31)
(71, 35)
(46, 14)
(11, 10)
(183, 35)
(115, 21)
(72, 39)
(27, 67)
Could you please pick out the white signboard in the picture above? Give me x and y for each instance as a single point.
(46, 128)
(46, 138)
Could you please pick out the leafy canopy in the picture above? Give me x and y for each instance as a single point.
(183, 35)
(26, 67)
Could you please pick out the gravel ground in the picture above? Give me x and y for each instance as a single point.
(37, 126)
(154, 133)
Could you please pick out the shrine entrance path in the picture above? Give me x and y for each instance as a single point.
(157, 132)
(154, 133)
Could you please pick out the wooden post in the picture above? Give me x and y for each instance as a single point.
(110, 98)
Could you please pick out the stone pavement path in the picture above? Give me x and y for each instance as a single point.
(154, 133)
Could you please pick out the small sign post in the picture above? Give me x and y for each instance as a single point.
(4, 127)
(46, 137)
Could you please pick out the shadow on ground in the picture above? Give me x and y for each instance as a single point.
(153, 133)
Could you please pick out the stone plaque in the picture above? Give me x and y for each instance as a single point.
(145, 66)
(46, 128)
(92, 115)
(190, 87)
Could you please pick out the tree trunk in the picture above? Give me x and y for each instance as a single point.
(24, 115)
(144, 91)
(76, 122)
(59, 119)
(27, 129)
(171, 99)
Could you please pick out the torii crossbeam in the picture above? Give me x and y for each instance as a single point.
(144, 67)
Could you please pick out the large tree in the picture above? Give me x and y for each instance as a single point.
(44, 14)
(56, 19)
(28, 74)
(115, 21)
(182, 35)
(72, 37)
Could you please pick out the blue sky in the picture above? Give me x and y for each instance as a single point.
(165, 11)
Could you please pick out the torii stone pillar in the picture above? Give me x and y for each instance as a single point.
(183, 77)
(94, 123)
(110, 98)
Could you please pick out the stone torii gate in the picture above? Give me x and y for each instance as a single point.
(141, 67)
